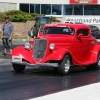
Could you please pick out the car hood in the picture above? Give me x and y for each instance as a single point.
(61, 41)
(56, 37)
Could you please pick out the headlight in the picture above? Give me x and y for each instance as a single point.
(27, 45)
(52, 46)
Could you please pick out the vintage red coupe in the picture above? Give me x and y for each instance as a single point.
(60, 46)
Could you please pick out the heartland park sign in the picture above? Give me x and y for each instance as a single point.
(84, 19)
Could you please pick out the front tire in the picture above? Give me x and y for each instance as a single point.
(95, 66)
(18, 68)
(65, 65)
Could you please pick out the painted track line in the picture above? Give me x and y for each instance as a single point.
(88, 92)
(4, 61)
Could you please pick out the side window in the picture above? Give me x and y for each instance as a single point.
(83, 31)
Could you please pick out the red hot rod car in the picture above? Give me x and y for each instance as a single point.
(60, 46)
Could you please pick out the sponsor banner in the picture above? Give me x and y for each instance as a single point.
(83, 1)
(84, 19)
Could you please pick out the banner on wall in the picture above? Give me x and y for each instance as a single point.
(83, 1)
(84, 19)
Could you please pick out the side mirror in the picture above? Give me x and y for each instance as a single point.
(79, 35)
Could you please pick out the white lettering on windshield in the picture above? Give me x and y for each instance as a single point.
(51, 25)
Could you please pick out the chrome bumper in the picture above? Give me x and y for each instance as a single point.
(37, 65)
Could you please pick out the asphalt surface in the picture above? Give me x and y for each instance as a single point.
(34, 83)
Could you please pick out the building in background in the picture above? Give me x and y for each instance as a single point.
(72, 9)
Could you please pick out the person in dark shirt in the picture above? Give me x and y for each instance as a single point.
(7, 32)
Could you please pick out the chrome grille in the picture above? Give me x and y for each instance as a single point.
(40, 48)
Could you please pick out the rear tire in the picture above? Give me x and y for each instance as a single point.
(18, 68)
(65, 65)
(95, 66)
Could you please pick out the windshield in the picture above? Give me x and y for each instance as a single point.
(59, 30)
(44, 20)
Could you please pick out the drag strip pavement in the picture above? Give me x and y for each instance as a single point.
(36, 83)
(47, 84)
(4, 59)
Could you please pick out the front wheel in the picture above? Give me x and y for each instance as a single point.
(95, 66)
(65, 65)
(18, 68)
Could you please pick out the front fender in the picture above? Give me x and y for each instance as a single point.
(24, 53)
(57, 54)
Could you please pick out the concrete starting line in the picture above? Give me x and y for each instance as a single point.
(88, 92)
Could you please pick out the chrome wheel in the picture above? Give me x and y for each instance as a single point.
(64, 67)
(98, 63)
(67, 65)
(99, 60)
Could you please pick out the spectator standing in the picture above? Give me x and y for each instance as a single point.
(7, 33)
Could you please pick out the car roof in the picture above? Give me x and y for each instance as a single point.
(92, 25)
(76, 26)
